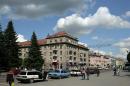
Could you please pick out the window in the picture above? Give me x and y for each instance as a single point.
(70, 58)
(85, 59)
(60, 46)
(84, 55)
(74, 58)
(32, 73)
(74, 53)
(81, 54)
(55, 57)
(54, 51)
(81, 59)
(23, 73)
(70, 52)
(60, 52)
(60, 58)
(56, 41)
(50, 53)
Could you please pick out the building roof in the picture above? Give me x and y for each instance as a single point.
(60, 34)
(44, 41)
(28, 43)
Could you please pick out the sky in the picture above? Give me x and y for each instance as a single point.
(102, 25)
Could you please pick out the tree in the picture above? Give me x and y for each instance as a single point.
(2, 49)
(12, 47)
(34, 61)
(128, 57)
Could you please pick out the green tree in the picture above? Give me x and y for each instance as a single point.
(34, 61)
(3, 58)
(128, 57)
(12, 47)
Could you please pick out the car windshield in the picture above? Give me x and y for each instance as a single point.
(23, 73)
(57, 71)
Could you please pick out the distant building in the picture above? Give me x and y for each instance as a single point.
(98, 60)
(60, 50)
(120, 62)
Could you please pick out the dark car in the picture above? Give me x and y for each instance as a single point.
(92, 70)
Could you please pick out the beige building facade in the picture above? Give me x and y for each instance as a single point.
(60, 50)
(99, 60)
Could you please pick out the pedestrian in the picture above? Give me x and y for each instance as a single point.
(98, 72)
(83, 72)
(118, 71)
(87, 72)
(45, 75)
(115, 71)
(10, 78)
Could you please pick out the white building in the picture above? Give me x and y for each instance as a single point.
(60, 50)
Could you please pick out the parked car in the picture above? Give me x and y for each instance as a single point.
(126, 67)
(58, 73)
(30, 76)
(92, 70)
(75, 73)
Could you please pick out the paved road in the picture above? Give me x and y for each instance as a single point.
(105, 79)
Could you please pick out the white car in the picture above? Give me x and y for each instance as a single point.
(30, 76)
(75, 72)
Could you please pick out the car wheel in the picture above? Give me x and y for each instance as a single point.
(31, 80)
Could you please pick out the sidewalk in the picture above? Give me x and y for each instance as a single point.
(3, 79)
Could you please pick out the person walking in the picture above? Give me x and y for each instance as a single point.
(115, 71)
(83, 73)
(87, 72)
(45, 75)
(98, 72)
(118, 71)
(10, 78)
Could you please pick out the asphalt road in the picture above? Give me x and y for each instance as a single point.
(105, 79)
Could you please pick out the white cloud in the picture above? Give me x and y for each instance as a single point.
(124, 47)
(39, 8)
(77, 25)
(83, 44)
(5, 10)
(101, 52)
(128, 13)
(21, 38)
(124, 43)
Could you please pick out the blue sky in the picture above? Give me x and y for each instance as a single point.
(104, 25)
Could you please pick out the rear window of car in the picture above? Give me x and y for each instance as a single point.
(23, 73)
(32, 73)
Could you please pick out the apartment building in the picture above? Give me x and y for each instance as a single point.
(60, 50)
(99, 60)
